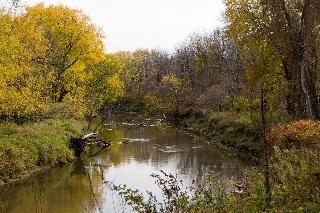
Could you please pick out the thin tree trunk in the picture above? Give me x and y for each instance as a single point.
(267, 152)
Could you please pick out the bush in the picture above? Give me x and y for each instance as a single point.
(299, 134)
(295, 165)
(208, 197)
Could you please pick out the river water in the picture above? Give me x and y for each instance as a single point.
(141, 145)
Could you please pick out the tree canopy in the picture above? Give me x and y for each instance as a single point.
(46, 53)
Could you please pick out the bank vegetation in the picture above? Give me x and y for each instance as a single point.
(252, 84)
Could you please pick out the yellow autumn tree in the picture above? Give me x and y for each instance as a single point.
(104, 84)
(248, 28)
(52, 60)
(74, 43)
(19, 83)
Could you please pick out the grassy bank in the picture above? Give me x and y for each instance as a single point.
(238, 130)
(31, 146)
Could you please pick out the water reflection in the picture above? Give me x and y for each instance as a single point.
(140, 146)
(61, 189)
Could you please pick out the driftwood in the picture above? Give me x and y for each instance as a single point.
(239, 191)
(93, 138)
(78, 144)
(93, 135)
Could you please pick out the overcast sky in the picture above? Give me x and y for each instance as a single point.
(147, 24)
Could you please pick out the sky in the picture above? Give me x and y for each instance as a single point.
(147, 24)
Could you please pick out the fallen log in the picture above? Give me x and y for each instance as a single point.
(106, 143)
(93, 138)
(92, 135)
(78, 144)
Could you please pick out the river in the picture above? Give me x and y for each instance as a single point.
(141, 145)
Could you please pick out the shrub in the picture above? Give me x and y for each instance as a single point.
(299, 134)
(207, 197)
(295, 165)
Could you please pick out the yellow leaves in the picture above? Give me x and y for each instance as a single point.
(16, 96)
(104, 83)
(116, 87)
(44, 56)
(262, 55)
(247, 26)
(242, 19)
(70, 32)
(17, 102)
(171, 79)
(73, 44)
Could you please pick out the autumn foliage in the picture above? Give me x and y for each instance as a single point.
(47, 60)
(299, 134)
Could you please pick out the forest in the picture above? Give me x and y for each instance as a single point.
(254, 83)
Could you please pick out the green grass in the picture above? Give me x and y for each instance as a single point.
(36, 144)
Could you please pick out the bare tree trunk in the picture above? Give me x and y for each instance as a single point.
(306, 91)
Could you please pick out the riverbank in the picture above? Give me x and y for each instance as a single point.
(35, 145)
(290, 185)
(234, 129)
(293, 164)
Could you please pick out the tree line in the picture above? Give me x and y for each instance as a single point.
(205, 70)
(58, 61)
(263, 62)
(269, 46)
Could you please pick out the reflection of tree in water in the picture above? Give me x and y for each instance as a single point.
(59, 189)
(94, 198)
(79, 168)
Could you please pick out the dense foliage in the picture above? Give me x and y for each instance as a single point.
(203, 72)
(55, 64)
